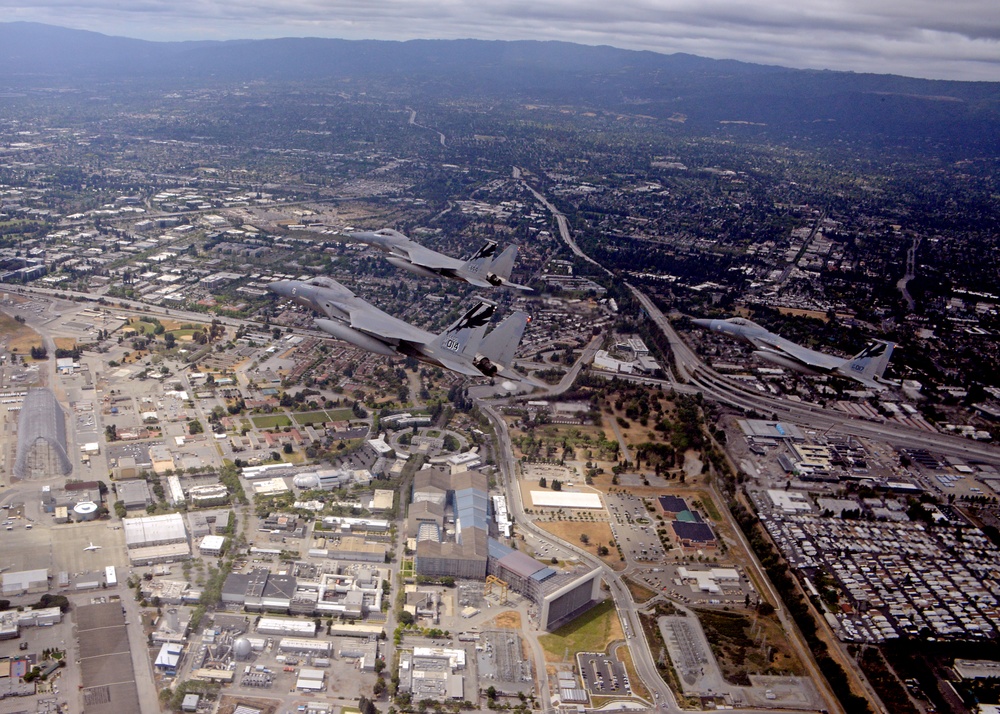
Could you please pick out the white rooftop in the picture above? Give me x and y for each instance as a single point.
(149, 530)
(565, 499)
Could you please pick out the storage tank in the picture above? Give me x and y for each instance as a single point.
(85, 511)
(242, 649)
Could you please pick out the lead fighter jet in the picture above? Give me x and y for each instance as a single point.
(484, 269)
(866, 367)
(464, 347)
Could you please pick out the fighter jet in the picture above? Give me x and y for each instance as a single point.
(866, 367)
(92, 547)
(461, 348)
(484, 269)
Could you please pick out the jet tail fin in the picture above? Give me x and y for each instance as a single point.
(868, 365)
(501, 267)
(466, 334)
(496, 353)
(479, 263)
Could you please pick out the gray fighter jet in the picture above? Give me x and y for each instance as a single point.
(866, 367)
(461, 348)
(484, 269)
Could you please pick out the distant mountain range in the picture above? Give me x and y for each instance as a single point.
(710, 94)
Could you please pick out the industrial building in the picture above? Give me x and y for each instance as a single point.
(562, 596)
(259, 590)
(352, 548)
(134, 494)
(297, 645)
(41, 437)
(465, 495)
(566, 499)
(212, 545)
(432, 673)
(11, 621)
(209, 495)
(169, 658)
(70, 495)
(156, 539)
(286, 626)
(24, 582)
(202, 523)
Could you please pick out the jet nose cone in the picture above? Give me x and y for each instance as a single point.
(705, 324)
(281, 287)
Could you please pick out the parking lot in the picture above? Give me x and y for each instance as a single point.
(603, 675)
(634, 529)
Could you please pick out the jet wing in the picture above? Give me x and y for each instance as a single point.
(808, 357)
(386, 327)
(427, 258)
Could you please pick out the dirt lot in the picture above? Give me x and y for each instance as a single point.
(510, 620)
(228, 704)
(19, 338)
(598, 532)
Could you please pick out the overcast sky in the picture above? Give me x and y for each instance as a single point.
(942, 39)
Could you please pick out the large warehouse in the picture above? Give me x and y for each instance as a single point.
(26, 581)
(41, 437)
(156, 539)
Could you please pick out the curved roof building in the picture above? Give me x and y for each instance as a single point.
(41, 437)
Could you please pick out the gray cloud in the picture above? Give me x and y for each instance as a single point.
(923, 38)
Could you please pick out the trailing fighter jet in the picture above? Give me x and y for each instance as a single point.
(92, 547)
(461, 348)
(484, 269)
(866, 367)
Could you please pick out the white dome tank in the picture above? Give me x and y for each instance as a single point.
(85, 511)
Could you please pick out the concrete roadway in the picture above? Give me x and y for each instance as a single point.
(561, 222)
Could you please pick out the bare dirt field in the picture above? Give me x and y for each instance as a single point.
(597, 532)
(509, 620)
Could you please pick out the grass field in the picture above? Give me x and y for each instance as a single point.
(340, 414)
(271, 421)
(311, 418)
(591, 632)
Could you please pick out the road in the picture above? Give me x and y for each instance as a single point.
(413, 122)
(911, 273)
(561, 222)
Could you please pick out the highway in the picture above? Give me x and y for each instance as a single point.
(727, 391)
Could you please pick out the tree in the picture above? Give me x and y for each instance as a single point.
(542, 482)
(405, 618)
(287, 448)
(556, 485)
(195, 427)
(584, 538)
(169, 341)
